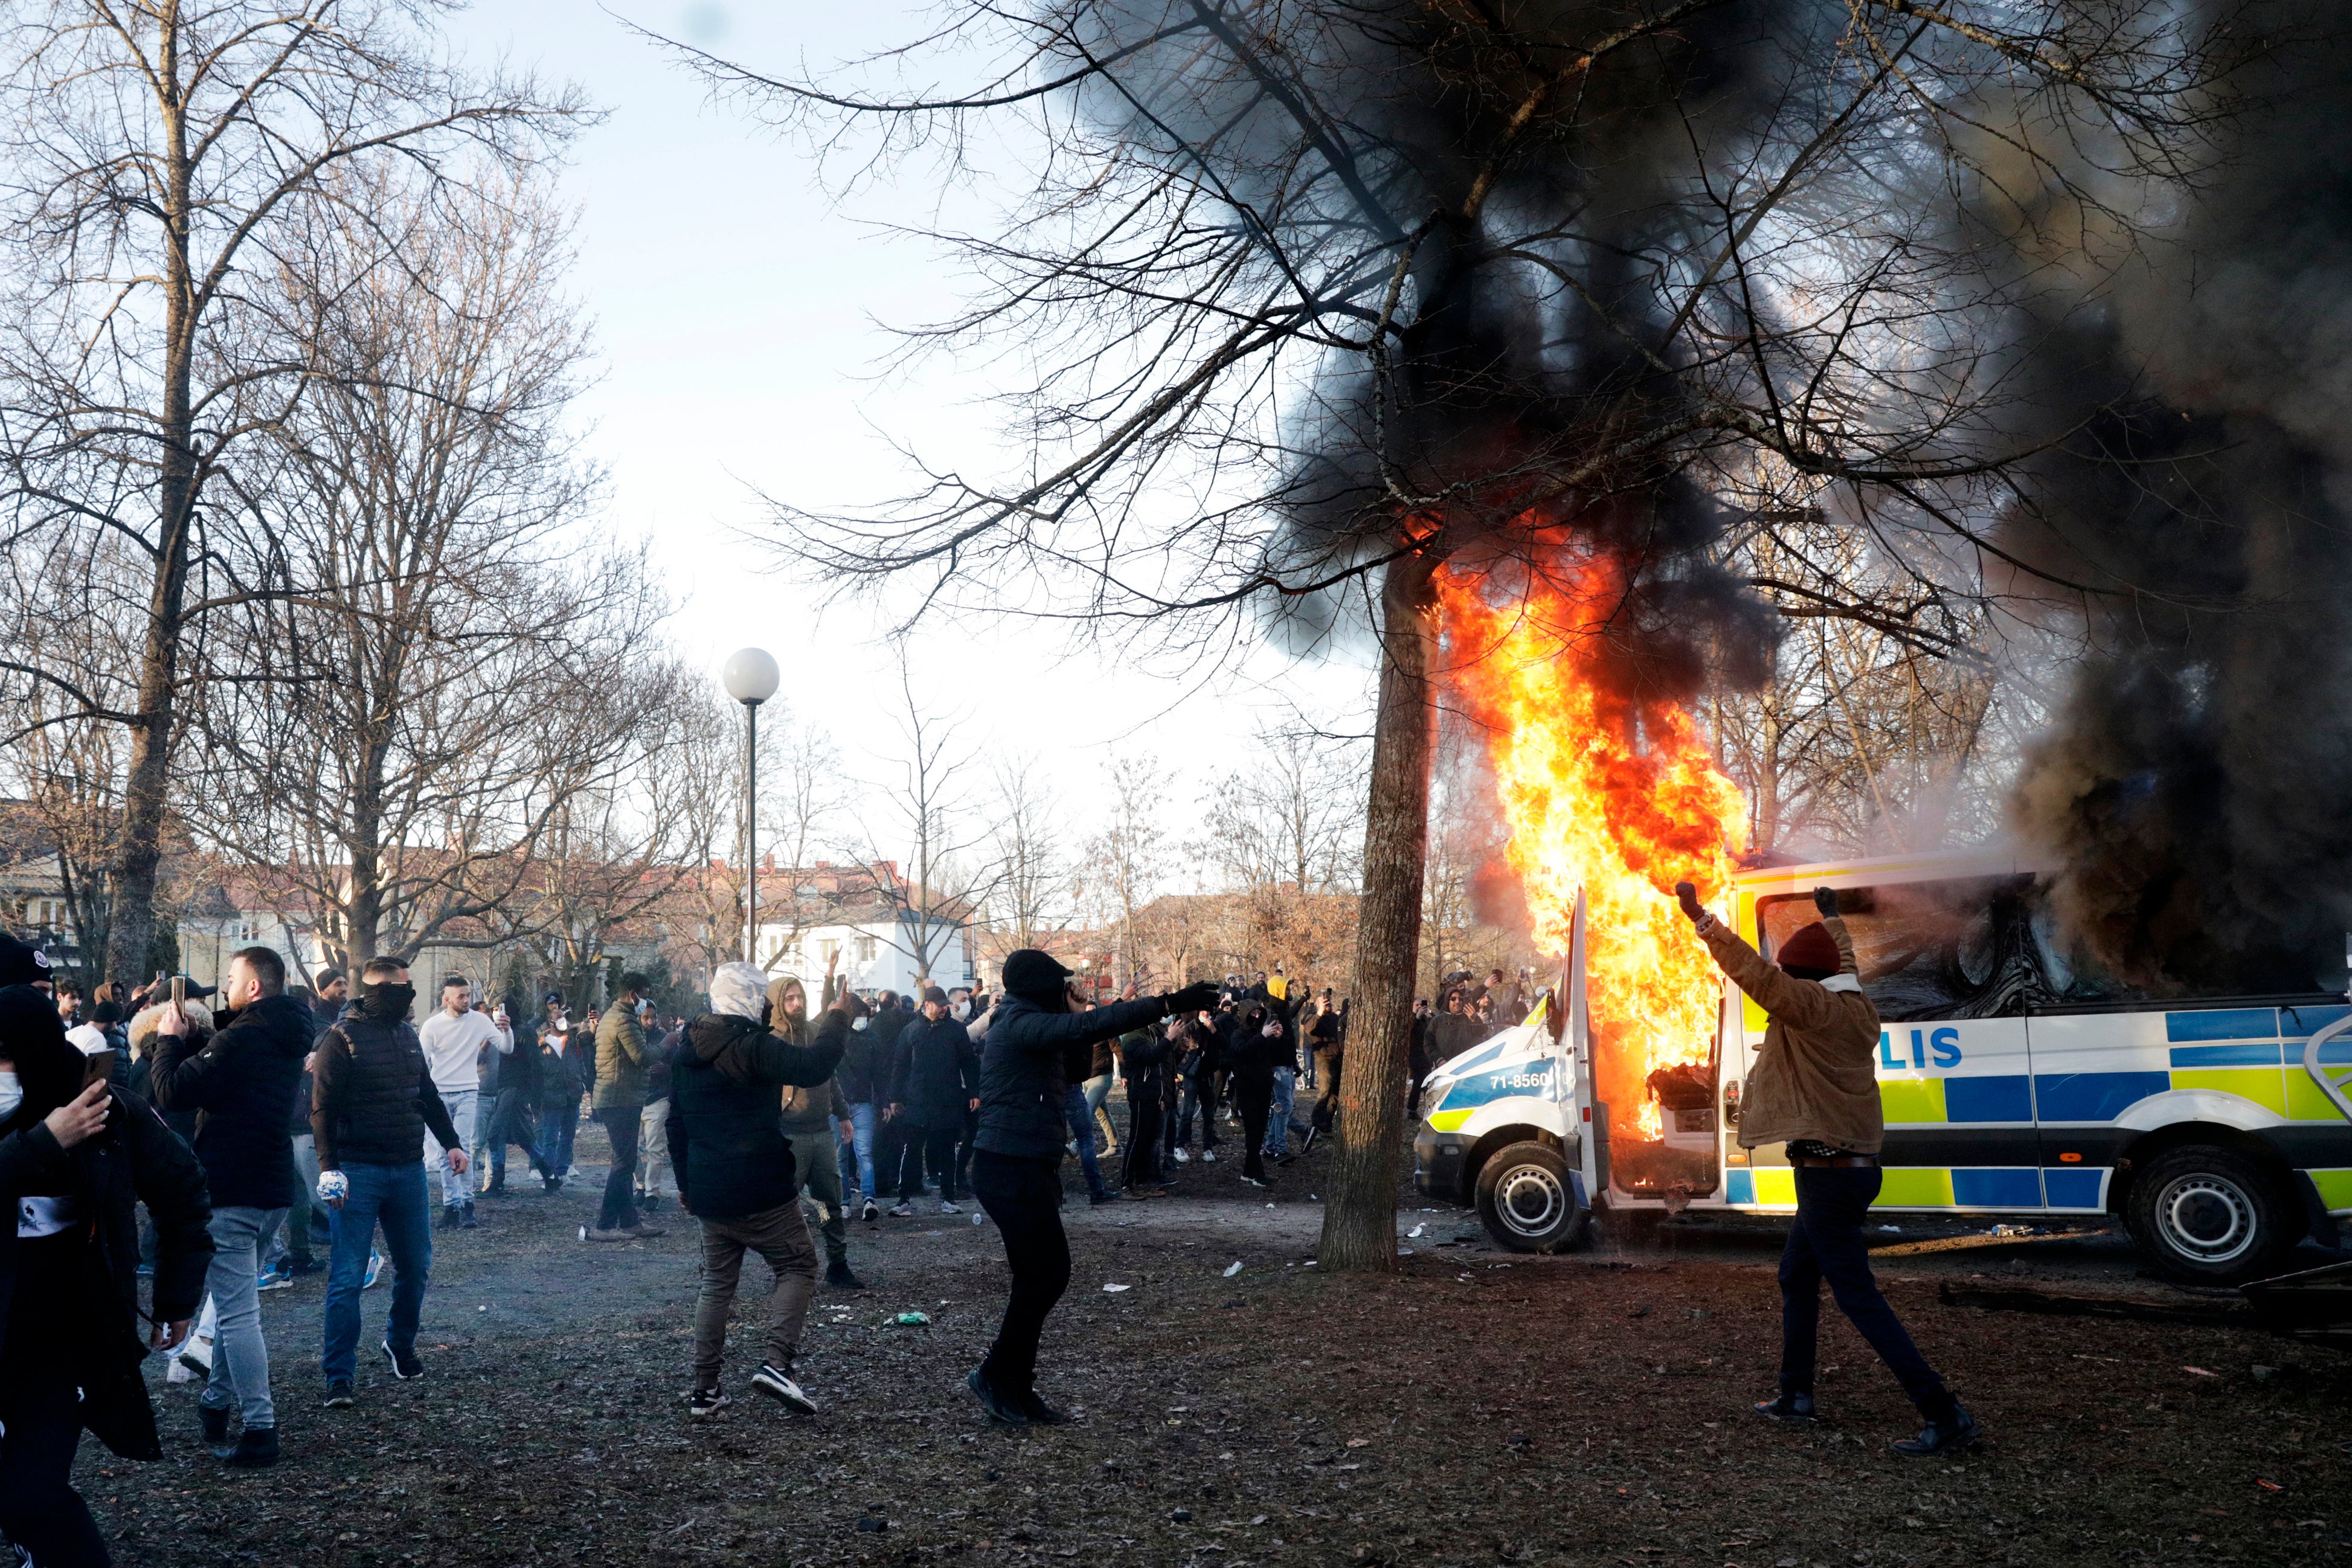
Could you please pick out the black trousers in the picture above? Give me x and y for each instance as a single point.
(1254, 1097)
(1825, 1243)
(1024, 1198)
(938, 1144)
(620, 1208)
(40, 1404)
(1147, 1126)
(898, 1159)
(963, 1151)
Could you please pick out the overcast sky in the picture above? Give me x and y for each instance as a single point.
(737, 315)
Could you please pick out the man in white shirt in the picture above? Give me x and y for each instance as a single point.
(454, 1039)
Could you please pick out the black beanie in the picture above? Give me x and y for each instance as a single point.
(49, 1066)
(1033, 975)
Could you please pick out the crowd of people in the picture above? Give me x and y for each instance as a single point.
(267, 1131)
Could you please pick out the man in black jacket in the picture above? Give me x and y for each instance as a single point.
(371, 1099)
(934, 1081)
(736, 1176)
(74, 1161)
(242, 1081)
(866, 1064)
(1014, 1166)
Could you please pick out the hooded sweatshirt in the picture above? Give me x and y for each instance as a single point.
(726, 1142)
(1816, 1076)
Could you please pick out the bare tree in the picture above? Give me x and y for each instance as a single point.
(932, 830)
(1124, 862)
(1034, 878)
(423, 690)
(155, 155)
(1405, 289)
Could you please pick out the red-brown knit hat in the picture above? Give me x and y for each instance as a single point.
(1812, 948)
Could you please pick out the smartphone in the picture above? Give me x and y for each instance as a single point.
(98, 1067)
(179, 989)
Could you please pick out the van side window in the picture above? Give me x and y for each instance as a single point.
(1987, 947)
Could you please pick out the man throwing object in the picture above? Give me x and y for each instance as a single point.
(1814, 1087)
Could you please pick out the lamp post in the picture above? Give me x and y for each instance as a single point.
(750, 676)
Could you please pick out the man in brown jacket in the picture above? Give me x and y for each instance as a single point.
(620, 1102)
(1814, 1088)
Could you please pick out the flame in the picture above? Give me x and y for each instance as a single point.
(1619, 795)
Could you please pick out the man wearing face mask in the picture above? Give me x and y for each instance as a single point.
(864, 1078)
(1016, 1164)
(242, 1079)
(75, 1162)
(371, 1100)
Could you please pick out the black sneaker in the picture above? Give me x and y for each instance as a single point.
(871, 1212)
(1945, 1434)
(215, 1423)
(257, 1449)
(777, 1383)
(1001, 1407)
(837, 1275)
(1041, 1414)
(339, 1394)
(452, 1217)
(704, 1403)
(550, 1184)
(1796, 1409)
(1105, 1196)
(405, 1364)
(465, 1220)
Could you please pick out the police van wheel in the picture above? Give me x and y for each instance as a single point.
(2210, 1217)
(1527, 1202)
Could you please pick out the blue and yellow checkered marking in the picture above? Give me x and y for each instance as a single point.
(1939, 1187)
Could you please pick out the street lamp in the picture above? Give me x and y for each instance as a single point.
(751, 676)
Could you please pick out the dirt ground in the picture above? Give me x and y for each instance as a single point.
(1474, 1409)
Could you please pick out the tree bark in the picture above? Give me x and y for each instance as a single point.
(1359, 1211)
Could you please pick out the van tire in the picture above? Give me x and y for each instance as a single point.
(1527, 1202)
(2209, 1216)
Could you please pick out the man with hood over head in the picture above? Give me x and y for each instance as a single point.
(736, 1174)
(74, 1160)
(1017, 1155)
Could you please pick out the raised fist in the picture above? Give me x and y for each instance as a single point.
(1687, 896)
(1825, 901)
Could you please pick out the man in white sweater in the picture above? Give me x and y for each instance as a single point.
(454, 1039)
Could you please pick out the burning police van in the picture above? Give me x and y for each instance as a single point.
(2018, 1080)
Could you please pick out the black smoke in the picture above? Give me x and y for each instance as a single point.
(2194, 526)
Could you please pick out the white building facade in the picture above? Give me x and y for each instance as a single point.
(884, 951)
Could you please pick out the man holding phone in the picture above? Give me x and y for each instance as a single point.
(455, 1039)
(242, 1081)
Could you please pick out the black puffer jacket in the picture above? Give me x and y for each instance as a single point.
(864, 1059)
(1022, 1084)
(937, 1073)
(371, 1095)
(136, 1159)
(726, 1144)
(240, 1082)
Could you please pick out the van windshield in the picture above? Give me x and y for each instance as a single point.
(1990, 947)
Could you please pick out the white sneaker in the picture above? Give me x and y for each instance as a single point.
(904, 1211)
(778, 1386)
(1182, 1158)
(1208, 1157)
(870, 1212)
(947, 1207)
(196, 1356)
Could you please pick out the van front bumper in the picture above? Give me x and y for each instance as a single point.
(1439, 1161)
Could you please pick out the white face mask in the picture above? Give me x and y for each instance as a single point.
(12, 1095)
(858, 1025)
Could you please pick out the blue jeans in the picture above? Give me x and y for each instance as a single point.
(861, 1126)
(392, 1196)
(1278, 1120)
(1825, 1243)
(1098, 1091)
(557, 1125)
(1081, 1118)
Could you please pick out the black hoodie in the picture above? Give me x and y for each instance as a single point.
(240, 1082)
(727, 1147)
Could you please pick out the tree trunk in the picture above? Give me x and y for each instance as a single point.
(1359, 1213)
